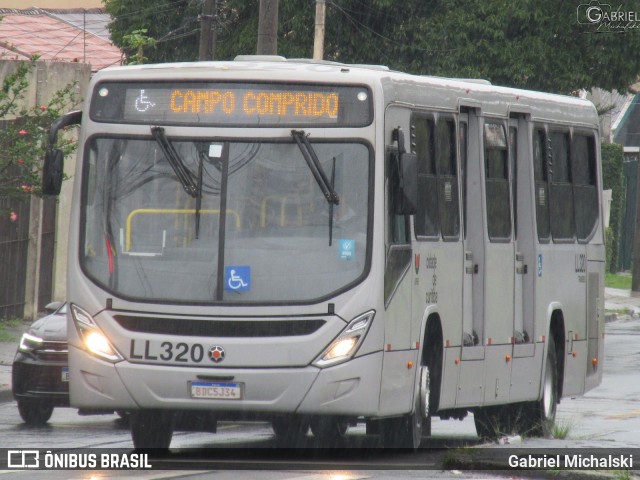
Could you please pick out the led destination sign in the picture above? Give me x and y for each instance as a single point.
(232, 104)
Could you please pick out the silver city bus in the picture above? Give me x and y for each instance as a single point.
(318, 244)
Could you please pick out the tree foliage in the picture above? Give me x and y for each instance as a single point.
(535, 44)
(24, 135)
(173, 24)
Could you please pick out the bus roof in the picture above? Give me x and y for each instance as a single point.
(420, 91)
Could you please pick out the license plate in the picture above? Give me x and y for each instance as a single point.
(215, 390)
(65, 374)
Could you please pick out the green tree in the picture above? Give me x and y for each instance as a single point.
(613, 178)
(24, 136)
(536, 44)
(173, 24)
(138, 41)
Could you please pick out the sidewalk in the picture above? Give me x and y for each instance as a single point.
(618, 303)
(621, 302)
(7, 352)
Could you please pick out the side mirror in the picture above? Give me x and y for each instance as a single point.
(408, 191)
(52, 172)
(52, 307)
(404, 177)
(53, 168)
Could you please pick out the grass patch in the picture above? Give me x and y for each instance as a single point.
(622, 475)
(7, 328)
(561, 430)
(617, 280)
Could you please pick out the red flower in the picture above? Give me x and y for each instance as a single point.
(27, 188)
(22, 132)
(44, 108)
(20, 161)
(13, 216)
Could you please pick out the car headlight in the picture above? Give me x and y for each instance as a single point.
(347, 343)
(29, 343)
(93, 340)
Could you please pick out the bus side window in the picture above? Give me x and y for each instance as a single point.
(540, 167)
(463, 168)
(561, 192)
(583, 154)
(448, 179)
(497, 182)
(427, 218)
(398, 237)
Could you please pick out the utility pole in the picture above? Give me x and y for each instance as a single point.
(268, 28)
(207, 33)
(318, 39)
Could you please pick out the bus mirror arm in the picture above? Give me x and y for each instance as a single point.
(53, 166)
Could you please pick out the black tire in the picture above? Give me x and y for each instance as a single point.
(539, 416)
(151, 429)
(35, 412)
(407, 431)
(290, 429)
(329, 430)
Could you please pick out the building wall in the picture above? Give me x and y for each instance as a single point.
(45, 80)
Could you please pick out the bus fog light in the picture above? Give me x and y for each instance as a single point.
(94, 341)
(347, 343)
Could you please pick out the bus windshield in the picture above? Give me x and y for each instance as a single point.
(250, 225)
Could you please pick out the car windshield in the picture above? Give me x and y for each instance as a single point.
(224, 221)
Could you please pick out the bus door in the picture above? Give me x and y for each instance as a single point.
(523, 369)
(471, 383)
(497, 273)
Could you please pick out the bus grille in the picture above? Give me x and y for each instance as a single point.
(219, 328)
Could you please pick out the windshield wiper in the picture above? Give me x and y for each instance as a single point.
(191, 184)
(323, 182)
(311, 158)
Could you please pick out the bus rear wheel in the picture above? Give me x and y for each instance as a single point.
(541, 414)
(151, 429)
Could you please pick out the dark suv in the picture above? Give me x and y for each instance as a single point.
(40, 374)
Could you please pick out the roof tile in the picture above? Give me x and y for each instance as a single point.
(26, 35)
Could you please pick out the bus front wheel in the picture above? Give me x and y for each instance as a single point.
(329, 430)
(407, 431)
(151, 429)
(290, 428)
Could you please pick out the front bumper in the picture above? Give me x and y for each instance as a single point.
(351, 388)
(36, 379)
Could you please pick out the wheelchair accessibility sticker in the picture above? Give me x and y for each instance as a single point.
(347, 249)
(237, 278)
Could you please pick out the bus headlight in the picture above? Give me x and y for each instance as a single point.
(346, 344)
(93, 340)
